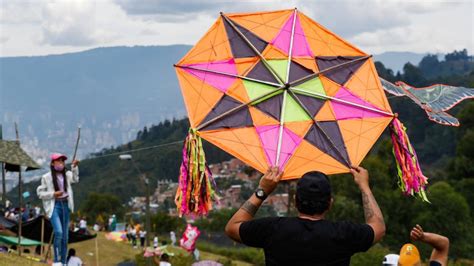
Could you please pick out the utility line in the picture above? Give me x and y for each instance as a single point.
(136, 150)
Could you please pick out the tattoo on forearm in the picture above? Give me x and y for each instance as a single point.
(250, 208)
(368, 212)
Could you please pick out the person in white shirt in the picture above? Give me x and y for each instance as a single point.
(142, 238)
(133, 232)
(96, 227)
(37, 211)
(173, 238)
(72, 260)
(83, 226)
(56, 192)
(155, 242)
(163, 260)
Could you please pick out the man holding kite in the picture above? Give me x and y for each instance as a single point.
(308, 239)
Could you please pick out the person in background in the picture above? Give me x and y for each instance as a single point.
(390, 260)
(37, 211)
(133, 234)
(72, 259)
(83, 225)
(128, 229)
(57, 195)
(113, 223)
(173, 238)
(109, 227)
(155, 242)
(410, 256)
(163, 260)
(196, 254)
(25, 214)
(96, 227)
(142, 238)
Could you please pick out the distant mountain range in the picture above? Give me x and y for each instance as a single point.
(110, 92)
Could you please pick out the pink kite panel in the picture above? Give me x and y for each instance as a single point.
(269, 137)
(218, 81)
(347, 111)
(283, 39)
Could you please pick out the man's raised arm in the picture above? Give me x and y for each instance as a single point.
(247, 211)
(373, 214)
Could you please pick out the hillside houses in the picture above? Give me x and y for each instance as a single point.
(233, 178)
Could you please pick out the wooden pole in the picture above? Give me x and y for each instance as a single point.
(42, 236)
(77, 143)
(96, 249)
(20, 201)
(20, 221)
(4, 190)
(49, 248)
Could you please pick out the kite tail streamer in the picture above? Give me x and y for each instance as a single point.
(196, 188)
(411, 179)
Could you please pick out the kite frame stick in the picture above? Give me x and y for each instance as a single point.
(290, 52)
(348, 163)
(285, 93)
(253, 48)
(301, 91)
(280, 133)
(229, 74)
(237, 108)
(310, 76)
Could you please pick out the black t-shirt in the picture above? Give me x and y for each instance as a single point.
(297, 241)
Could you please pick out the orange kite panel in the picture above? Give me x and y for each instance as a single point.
(271, 52)
(366, 84)
(243, 143)
(237, 91)
(243, 65)
(309, 63)
(300, 128)
(309, 158)
(214, 46)
(261, 119)
(199, 97)
(330, 87)
(265, 25)
(326, 113)
(360, 134)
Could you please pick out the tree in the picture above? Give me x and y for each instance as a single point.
(384, 72)
(448, 215)
(413, 75)
(457, 55)
(429, 65)
(101, 204)
(165, 223)
(216, 220)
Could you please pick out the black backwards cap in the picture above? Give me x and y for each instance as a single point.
(314, 186)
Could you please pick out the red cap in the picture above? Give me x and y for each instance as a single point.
(58, 156)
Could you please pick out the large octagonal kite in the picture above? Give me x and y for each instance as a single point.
(278, 89)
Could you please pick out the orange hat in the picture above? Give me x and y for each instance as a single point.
(409, 256)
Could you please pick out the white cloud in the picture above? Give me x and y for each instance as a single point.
(43, 27)
(75, 23)
(439, 29)
(20, 12)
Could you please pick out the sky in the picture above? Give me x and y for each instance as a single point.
(42, 27)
